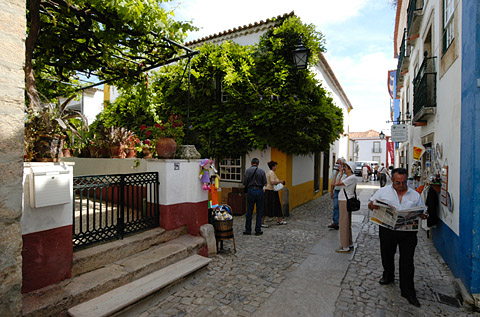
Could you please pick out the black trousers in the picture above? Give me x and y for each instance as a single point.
(383, 179)
(406, 241)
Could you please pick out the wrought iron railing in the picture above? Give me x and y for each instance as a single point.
(108, 207)
(425, 86)
(401, 55)
(413, 6)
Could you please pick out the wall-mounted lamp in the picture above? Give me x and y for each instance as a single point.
(300, 56)
(408, 115)
(382, 135)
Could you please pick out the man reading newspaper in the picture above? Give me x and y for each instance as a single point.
(396, 209)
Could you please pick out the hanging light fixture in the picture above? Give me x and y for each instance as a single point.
(382, 135)
(300, 56)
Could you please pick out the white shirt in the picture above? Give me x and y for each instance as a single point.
(383, 170)
(388, 194)
(350, 184)
(334, 179)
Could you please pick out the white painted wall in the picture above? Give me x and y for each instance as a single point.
(302, 170)
(446, 123)
(48, 217)
(176, 185)
(264, 157)
(365, 152)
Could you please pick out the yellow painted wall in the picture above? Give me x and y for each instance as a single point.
(298, 194)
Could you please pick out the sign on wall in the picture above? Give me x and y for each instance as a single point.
(399, 133)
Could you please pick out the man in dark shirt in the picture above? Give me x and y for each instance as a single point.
(254, 180)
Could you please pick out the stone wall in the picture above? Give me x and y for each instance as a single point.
(12, 55)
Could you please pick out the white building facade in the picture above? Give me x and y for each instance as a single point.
(437, 45)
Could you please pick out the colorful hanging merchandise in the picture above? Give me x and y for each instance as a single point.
(206, 168)
(223, 212)
(213, 203)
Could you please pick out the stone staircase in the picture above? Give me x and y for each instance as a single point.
(112, 276)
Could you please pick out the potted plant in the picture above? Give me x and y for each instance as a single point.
(146, 148)
(117, 139)
(167, 135)
(131, 145)
(45, 128)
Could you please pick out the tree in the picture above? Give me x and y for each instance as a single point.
(69, 40)
(246, 97)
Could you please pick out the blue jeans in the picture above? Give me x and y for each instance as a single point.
(335, 206)
(254, 196)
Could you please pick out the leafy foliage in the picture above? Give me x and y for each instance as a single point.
(109, 39)
(242, 97)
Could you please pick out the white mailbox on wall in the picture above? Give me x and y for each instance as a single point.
(50, 185)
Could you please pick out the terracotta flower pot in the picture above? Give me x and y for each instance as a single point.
(93, 150)
(131, 153)
(147, 154)
(48, 149)
(67, 152)
(117, 151)
(166, 147)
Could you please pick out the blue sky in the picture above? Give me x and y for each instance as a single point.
(359, 36)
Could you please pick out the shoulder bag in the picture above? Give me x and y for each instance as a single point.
(245, 189)
(353, 204)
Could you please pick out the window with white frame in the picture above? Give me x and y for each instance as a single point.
(376, 147)
(223, 93)
(231, 169)
(448, 25)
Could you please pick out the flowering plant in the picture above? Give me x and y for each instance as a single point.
(173, 128)
(145, 144)
(132, 140)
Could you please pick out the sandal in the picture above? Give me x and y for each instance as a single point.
(264, 226)
(282, 223)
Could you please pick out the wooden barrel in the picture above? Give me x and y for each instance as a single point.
(223, 229)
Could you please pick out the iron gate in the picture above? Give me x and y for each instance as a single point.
(107, 207)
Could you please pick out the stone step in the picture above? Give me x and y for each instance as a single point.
(127, 295)
(58, 298)
(98, 256)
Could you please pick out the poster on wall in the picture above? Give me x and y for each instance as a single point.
(444, 189)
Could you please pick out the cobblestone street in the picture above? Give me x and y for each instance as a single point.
(241, 284)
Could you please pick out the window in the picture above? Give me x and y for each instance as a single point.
(376, 159)
(376, 147)
(448, 25)
(223, 94)
(231, 169)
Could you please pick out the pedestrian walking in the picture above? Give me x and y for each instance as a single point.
(364, 173)
(334, 190)
(383, 172)
(375, 172)
(254, 180)
(401, 197)
(348, 182)
(273, 208)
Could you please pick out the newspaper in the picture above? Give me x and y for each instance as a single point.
(389, 217)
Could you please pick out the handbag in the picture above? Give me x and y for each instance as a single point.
(353, 204)
(245, 189)
(277, 187)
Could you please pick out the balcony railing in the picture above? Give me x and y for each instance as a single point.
(425, 90)
(403, 58)
(414, 16)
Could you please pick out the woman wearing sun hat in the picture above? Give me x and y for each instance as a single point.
(348, 181)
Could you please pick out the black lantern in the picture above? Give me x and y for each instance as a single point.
(409, 116)
(300, 56)
(381, 135)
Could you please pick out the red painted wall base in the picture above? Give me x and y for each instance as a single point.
(47, 257)
(194, 215)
